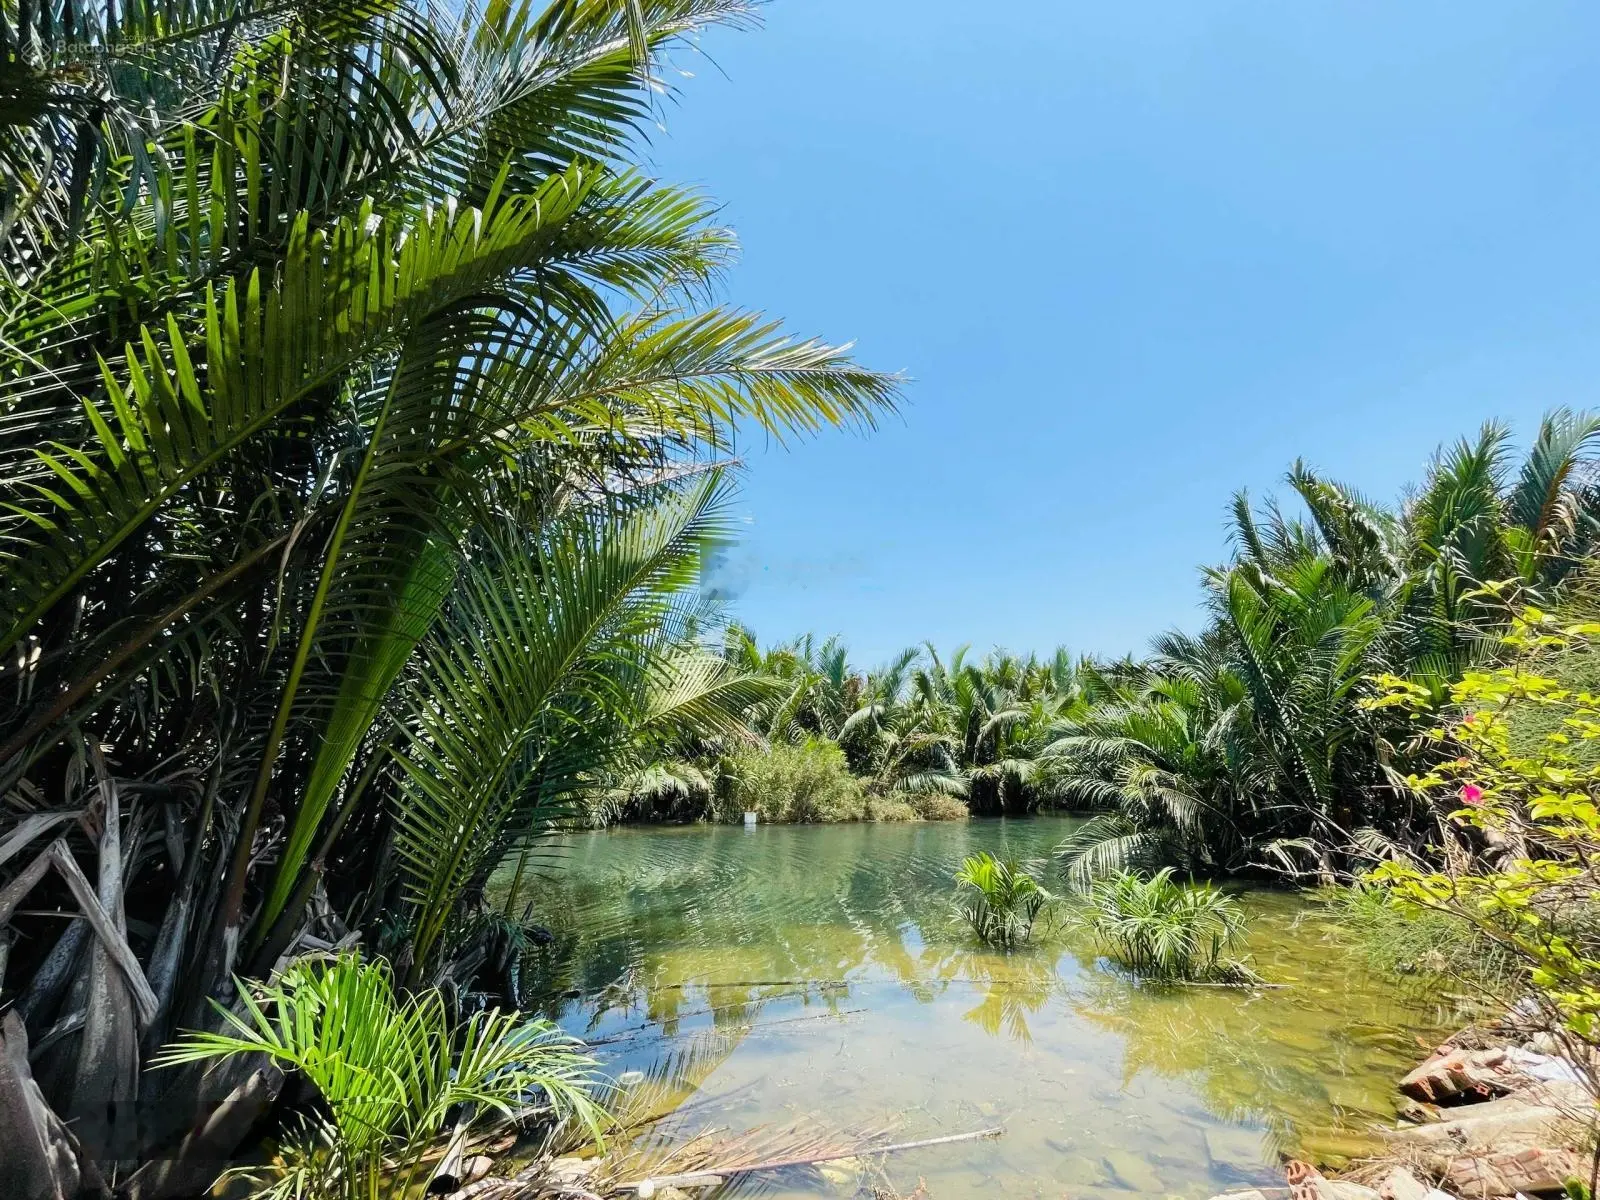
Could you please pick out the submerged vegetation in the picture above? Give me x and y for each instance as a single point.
(999, 899)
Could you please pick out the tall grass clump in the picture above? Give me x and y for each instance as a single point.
(1162, 929)
(934, 806)
(807, 782)
(1409, 939)
(999, 899)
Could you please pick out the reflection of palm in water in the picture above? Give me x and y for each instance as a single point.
(726, 925)
(1292, 1062)
(1014, 985)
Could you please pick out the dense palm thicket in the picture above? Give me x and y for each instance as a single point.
(360, 413)
(920, 729)
(1244, 746)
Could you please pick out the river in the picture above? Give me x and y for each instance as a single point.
(818, 975)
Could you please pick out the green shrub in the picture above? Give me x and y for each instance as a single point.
(999, 899)
(808, 782)
(936, 806)
(1161, 929)
(890, 808)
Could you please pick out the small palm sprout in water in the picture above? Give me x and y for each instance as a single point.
(1161, 929)
(394, 1074)
(999, 899)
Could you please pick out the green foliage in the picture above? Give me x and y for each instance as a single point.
(968, 729)
(934, 806)
(1526, 823)
(999, 899)
(1245, 747)
(1435, 947)
(361, 414)
(1249, 745)
(891, 808)
(392, 1072)
(1162, 929)
(808, 781)
(538, 677)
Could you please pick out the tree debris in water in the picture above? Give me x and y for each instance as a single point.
(712, 1175)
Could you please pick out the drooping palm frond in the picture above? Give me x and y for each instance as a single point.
(697, 695)
(545, 651)
(267, 348)
(937, 782)
(318, 324)
(1107, 844)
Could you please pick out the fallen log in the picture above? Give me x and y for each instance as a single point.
(1244, 985)
(751, 1026)
(1511, 1120)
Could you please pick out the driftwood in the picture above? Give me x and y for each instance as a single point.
(752, 1026)
(746, 983)
(712, 1176)
(1250, 985)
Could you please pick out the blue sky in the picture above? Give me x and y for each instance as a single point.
(1133, 257)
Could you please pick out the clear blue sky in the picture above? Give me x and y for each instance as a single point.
(1133, 257)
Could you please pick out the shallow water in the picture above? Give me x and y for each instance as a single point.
(819, 975)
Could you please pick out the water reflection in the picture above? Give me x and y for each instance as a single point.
(821, 974)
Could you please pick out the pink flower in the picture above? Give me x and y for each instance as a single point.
(1471, 793)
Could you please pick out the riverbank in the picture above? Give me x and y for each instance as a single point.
(1493, 1111)
(894, 808)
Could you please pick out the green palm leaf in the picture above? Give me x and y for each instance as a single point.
(533, 640)
(339, 296)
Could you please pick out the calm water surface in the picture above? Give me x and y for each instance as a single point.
(819, 975)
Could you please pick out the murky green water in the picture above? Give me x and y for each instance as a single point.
(818, 974)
